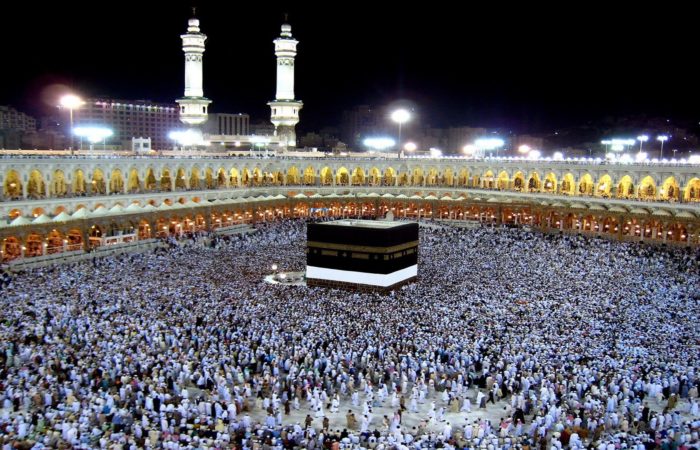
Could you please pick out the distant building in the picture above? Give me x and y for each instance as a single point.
(228, 124)
(11, 119)
(533, 142)
(130, 118)
(361, 122)
(262, 128)
(449, 140)
(141, 145)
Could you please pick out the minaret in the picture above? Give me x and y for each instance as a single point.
(193, 106)
(285, 109)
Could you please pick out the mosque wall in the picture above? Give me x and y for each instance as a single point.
(64, 204)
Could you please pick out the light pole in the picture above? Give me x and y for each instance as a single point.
(400, 116)
(642, 139)
(662, 139)
(71, 102)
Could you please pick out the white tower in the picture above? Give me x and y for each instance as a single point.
(285, 109)
(193, 106)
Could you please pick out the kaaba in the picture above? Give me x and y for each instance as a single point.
(366, 255)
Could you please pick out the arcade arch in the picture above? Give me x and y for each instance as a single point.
(604, 186)
(625, 188)
(647, 189)
(58, 184)
(13, 185)
(36, 187)
(669, 190)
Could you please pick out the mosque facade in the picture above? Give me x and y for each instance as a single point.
(55, 204)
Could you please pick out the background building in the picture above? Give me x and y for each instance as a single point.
(129, 119)
(228, 124)
(11, 119)
(13, 126)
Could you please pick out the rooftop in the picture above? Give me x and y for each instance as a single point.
(378, 224)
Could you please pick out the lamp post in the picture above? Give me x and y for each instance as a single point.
(400, 116)
(71, 102)
(642, 139)
(662, 139)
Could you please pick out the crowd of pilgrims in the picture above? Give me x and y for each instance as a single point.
(509, 340)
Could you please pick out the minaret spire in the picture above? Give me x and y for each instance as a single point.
(285, 108)
(193, 106)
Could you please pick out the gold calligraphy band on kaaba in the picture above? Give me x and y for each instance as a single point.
(362, 248)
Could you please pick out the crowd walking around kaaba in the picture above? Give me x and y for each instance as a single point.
(509, 340)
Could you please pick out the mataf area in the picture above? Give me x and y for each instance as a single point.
(510, 339)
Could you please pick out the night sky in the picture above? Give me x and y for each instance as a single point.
(530, 68)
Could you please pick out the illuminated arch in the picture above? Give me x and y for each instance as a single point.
(585, 185)
(221, 178)
(98, 184)
(13, 185)
(293, 176)
(604, 186)
(36, 187)
(519, 181)
(342, 177)
(181, 180)
(54, 242)
(533, 183)
(670, 189)
(144, 230)
(309, 176)
(209, 178)
(150, 183)
(116, 181)
(568, 184)
(165, 180)
(389, 178)
(503, 182)
(34, 245)
(79, 186)
(257, 177)
(647, 189)
(431, 178)
(463, 177)
(195, 178)
(133, 184)
(75, 240)
(358, 176)
(692, 190)
(58, 184)
(246, 177)
(234, 177)
(11, 248)
(277, 177)
(625, 188)
(488, 180)
(448, 177)
(418, 177)
(677, 232)
(326, 176)
(550, 183)
(404, 179)
(375, 176)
